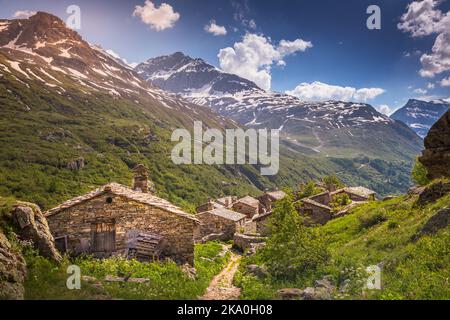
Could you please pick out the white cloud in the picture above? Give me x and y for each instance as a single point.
(318, 91)
(161, 18)
(438, 60)
(430, 85)
(23, 14)
(422, 19)
(384, 108)
(252, 24)
(215, 29)
(420, 91)
(253, 57)
(445, 82)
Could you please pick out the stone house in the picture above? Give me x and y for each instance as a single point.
(221, 222)
(268, 198)
(358, 194)
(317, 208)
(261, 223)
(315, 212)
(117, 220)
(248, 206)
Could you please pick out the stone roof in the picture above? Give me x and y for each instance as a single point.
(277, 195)
(315, 203)
(360, 191)
(225, 213)
(123, 191)
(250, 201)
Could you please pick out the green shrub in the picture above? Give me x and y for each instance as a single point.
(292, 248)
(419, 173)
(370, 219)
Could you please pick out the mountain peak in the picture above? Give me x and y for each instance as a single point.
(40, 28)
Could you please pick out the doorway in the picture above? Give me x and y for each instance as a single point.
(103, 238)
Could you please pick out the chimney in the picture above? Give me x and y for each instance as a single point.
(140, 180)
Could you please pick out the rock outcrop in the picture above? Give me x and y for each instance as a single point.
(433, 192)
(436, 156)
(33, 226)
(323, 290)
(437, 222)
(12, 271)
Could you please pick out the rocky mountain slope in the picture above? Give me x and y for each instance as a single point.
(421, 115)
(330, 129)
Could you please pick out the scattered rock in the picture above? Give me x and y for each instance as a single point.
(126, 279)
(77, 164)
(434, 192)
(290, 294)
(416, 190)
(189, 271)
(257, 271)
(33, 226)
(254, 247)
(387, 198)
(437, 222)
(12, 271)
(316, 294)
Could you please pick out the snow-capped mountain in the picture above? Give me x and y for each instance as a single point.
(421, 115)
(192, 77)
(330, 128)
(42, 50)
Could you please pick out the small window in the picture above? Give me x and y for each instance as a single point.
(61, 244)
(109, 200)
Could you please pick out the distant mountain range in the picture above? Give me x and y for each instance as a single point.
(421, 115)
(330, 129)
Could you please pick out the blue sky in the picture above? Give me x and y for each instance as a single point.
(343, 57)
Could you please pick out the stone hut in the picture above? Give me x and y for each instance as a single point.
(221, 222)
(248, 206)
(268, 198)
(118, 220)
(261, 223)
(315, 212)
(359, 194)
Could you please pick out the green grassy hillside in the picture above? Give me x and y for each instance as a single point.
(380, 233)
(43, 130)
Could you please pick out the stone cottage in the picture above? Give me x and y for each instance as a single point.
(117, 220)
(315, 212)
(268, 198)
(221, 222)
(248, 206)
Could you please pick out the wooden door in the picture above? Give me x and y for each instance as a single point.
(103, 238)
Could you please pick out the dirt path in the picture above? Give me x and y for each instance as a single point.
(221, 286)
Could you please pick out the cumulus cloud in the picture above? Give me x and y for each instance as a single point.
(438, 60)
(253, 57)
(420, 91)
(423, 18)
(23, 14)
(430, 85)
(215, 29)
(445, 82)
(158, 18)
(318, 91)
(384, 108)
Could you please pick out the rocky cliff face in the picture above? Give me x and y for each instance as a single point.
(12, 271)
(436, 156)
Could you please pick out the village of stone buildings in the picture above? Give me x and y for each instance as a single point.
(117, 220)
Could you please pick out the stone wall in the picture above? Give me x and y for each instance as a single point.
(214, 224)
(243, 208)
(129, 216)
(315, 215)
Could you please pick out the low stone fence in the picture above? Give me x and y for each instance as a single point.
(245, 241)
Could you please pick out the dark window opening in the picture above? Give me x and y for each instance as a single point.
(109, 200)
